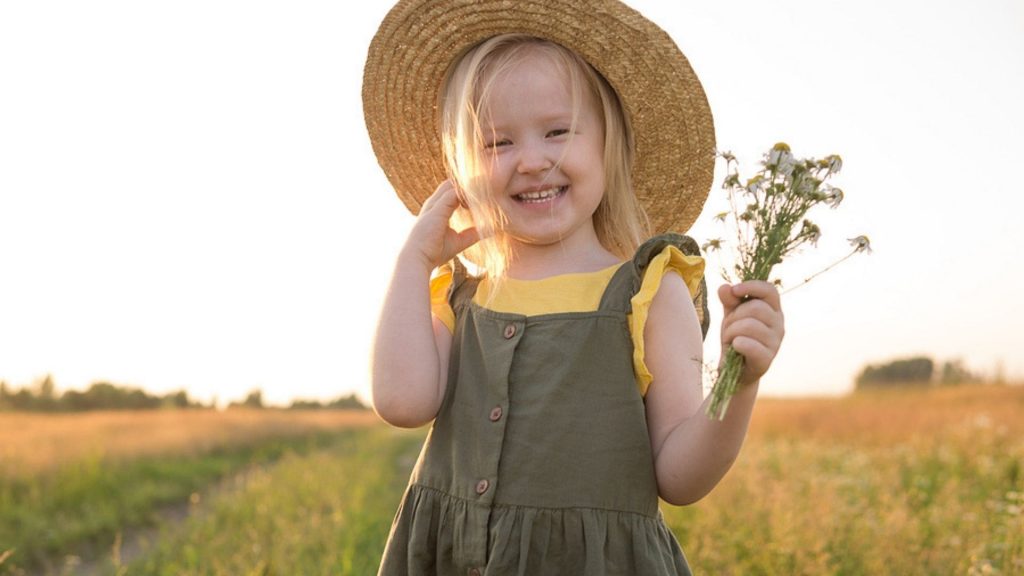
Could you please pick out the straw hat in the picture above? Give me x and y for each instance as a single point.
(419, 40)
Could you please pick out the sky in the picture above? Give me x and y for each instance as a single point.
(188, 198)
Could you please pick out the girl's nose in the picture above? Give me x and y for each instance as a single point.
(533, 158)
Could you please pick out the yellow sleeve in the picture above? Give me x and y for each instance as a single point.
(439, 305)
(671, 259)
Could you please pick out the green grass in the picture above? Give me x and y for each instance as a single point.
(922, 484)
(830, 510)
(945, 497)
(327, 512)
(81, 508)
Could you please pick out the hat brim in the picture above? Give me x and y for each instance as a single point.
(419, 40)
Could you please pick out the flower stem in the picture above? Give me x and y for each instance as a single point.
(820, 272)
(726, 384)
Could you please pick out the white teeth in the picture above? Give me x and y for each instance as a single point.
(540, 195)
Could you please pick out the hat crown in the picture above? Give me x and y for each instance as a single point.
(419, 40)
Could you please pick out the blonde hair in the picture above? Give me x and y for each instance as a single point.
(620, 221)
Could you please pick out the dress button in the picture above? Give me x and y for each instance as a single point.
(482, 486)
(496, 414)
(510, 331)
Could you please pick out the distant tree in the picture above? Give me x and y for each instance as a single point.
(253, 400)
(350, 402)
(42, 397)
(76, 401)
(46, 389)
(954, 372)
(917, 370)
(45, 394)
(23, 400)
(107, 396)
(179, 399)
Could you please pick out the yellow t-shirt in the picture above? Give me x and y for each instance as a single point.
(579, 292)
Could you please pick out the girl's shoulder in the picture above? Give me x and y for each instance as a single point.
(660, 255)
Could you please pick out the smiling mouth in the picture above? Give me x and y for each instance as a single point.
(541, 195)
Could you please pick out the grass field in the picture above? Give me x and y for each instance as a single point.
(909, 482)
(906, 482)
(73, 485)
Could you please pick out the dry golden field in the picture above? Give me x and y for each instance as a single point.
(909, 415)
(910, 481)
(31, 444)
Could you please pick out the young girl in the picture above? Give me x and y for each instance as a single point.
(563, 379)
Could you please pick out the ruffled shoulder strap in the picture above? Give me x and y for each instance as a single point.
(451, 289)
(660, 254)
(635, 284)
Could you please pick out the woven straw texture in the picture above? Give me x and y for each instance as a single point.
(418, 40)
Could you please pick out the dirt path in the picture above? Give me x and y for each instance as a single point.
(135, 543)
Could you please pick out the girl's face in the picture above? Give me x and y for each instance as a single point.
(545, 168)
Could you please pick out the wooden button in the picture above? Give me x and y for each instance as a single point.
(496, 414)
(482, 486)
(510, 331)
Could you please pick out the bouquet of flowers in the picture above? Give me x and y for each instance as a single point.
(768, 212)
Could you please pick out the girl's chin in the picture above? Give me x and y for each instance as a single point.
(539, 238)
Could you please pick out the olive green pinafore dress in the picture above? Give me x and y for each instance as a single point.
(539, 461)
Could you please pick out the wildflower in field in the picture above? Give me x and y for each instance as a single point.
(833, 197)
(780, 159)
(713, 244)
(771, 225)
(755, 185)
(861, 244)
(810, 232)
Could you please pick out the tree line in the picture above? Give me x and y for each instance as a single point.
(917, 371)
(42, 396)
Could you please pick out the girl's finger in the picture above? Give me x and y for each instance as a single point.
(442, 194)
(728, 299)
(753, 308)
(757, 356)
(756, 309)
(464, 239)
(761, 290)
(750, 328)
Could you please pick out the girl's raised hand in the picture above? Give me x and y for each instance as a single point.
(753, 323)
(432, 238)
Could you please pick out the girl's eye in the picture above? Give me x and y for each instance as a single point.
(558, 132)
(496, 144)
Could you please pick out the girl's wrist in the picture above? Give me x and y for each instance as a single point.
(413, 259)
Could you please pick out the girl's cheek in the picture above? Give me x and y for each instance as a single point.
(496, 175)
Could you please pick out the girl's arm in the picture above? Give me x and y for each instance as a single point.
(410, 349)
(692, 452)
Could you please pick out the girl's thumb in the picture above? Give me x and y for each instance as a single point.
(728, 298)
